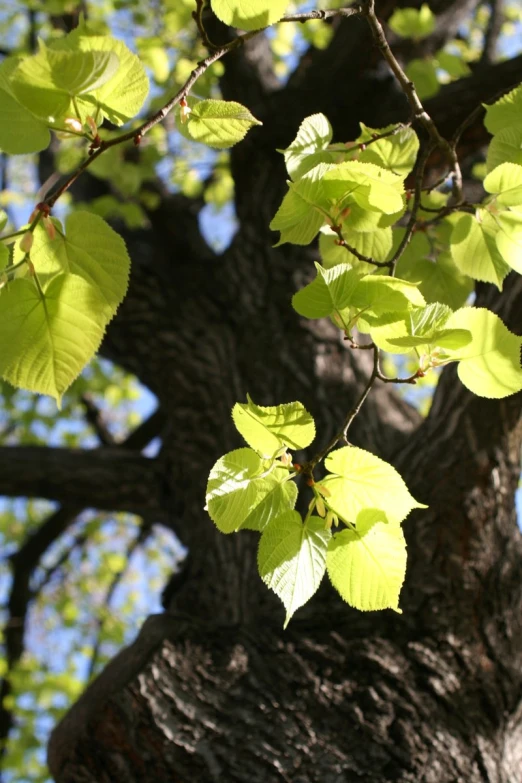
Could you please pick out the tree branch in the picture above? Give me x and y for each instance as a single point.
(492, 32)
(25, 561)
(104, 478)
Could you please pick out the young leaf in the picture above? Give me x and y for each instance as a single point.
(397, 152)
(361, 481)
(122, 96)
(505, 112)
(367, 563)
(249, 14)
(242, 493)
(46, 342)
(91, 249)
(474, 249)
(4, 256)
(509, 238)
(412, 22)
(302, 211)
(218, 124)
(379, 294)
(374, 244)
(426, 327)
(292, 558)
(331, 290)
(489, 365)
(438, 281)
(423, 73)
(46, 82)
(506, 180)
(20, 131)
(370, 186)
(268, 430)
(314, 135)
(505, 146)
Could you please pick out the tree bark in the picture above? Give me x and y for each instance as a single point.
(214, 690)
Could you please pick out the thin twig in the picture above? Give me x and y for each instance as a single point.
(410, 228)
(137, 135)
(309, 466)
(419, 112)
(143, 533)
(342, 243)
(493, 29)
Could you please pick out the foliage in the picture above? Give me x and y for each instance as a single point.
(399, 262)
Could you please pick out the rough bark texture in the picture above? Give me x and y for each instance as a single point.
(214, 690)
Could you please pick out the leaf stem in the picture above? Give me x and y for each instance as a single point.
(216, 54)
(309, 466)
(419, 112)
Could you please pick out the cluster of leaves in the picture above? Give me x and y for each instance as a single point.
(354, 194)
(253, 489)
(63, 284)
(406, 291)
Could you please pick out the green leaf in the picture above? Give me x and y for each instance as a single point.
(331, 290)
(374, 244)
(46, 342)
(412, 22)
(506, 180)
(123, 95)
(152, 52)
(438, 281)
(474, 249)
(302, 211)
(314, 135)
(397, 153)
(505, 146)
(426, 326)
(367, 564)
(242, 493)
(4, 260)
(489, 365)
(91, 249)
(292, 558)
(249, 14)
(46, 82)
(268, 430)
(504, 113)
(218, 124)
(423, 73)
(379, 294)
(363, 481)
(509, 238)
(384, 329)
(3, 219)
(454, 64)
(370, 186)
(20, 131)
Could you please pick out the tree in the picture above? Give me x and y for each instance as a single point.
(214, 689)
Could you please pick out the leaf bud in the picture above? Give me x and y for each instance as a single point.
(91, 124)
(184, 110)
(26, 242)
(329, 520)
(320, 507)
(50, 228)
(73, 124)
(323, 490)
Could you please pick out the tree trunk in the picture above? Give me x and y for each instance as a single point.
(214, 690)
